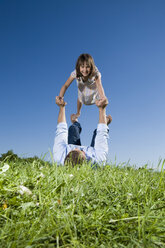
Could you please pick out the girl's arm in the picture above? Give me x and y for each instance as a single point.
(79, 106)
(59, 99)
(100, 88)
(65, 86)
(103, 99)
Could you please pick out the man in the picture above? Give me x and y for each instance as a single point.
(67, 144)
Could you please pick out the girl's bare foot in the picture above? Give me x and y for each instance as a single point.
(73, 118)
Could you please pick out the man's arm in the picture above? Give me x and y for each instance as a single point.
(61, 136)
(102, 115)
(101, 141)
(61, 115)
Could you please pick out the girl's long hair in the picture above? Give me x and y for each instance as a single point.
(85, 57)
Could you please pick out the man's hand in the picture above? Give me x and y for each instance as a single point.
(103, 102)
(60, 101)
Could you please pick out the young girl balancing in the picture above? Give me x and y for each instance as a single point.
(89, 84)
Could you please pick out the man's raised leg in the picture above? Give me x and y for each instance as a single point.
(74, 132)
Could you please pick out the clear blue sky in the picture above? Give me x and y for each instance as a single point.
(40, 42)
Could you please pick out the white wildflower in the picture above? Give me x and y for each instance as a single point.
(4, 168)
(34, 197)
(24, 190)
(129, 196)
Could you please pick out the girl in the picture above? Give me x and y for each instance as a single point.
(90, 90)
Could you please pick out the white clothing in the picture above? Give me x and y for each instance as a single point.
(97, 154)
(87, 91)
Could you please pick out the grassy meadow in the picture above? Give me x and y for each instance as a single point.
(42, 205)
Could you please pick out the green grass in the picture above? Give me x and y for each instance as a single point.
(114, 206)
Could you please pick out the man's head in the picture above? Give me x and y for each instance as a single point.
(75, 157)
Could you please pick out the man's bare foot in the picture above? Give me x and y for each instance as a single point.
(73, 118)
(109, 119)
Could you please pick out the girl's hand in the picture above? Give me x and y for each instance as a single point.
(60, 101)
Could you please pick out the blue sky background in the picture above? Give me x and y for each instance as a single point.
(40, 42)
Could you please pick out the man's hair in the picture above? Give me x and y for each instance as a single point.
(73, 158)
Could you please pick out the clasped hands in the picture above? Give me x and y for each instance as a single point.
(60, 101)
(102, 102)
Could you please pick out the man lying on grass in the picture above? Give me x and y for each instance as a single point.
(67, 144)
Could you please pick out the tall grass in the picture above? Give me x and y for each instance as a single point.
(114, 206)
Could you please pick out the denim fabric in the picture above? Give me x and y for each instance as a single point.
(74, 134)
(93, 138)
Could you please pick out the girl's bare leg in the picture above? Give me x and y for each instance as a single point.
(75, 116)
(79, 106)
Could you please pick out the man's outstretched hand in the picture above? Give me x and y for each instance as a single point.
(60, 101)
